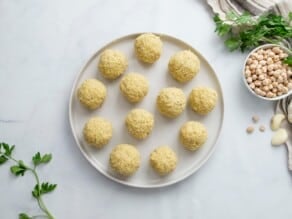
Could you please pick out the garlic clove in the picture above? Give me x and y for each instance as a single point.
(289, 109)
(280, 137)
(276, 121)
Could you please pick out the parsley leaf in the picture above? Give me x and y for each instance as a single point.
(290, 16)
(245, 32)
(19, 169)
(37, 159)
(5, 152)
(232, 43)
(288, 60)
(23, 216)
(43, 189)
(221, 27)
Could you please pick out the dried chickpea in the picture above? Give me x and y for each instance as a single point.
(258, 71)
(285, 90)
(276, 58)
(280, 79)
(270, 67)
(266, 88)
(266, 81)
(257, 91)
(276, 50)
(249, 61)
(257, 83)
(249, 129)
(270, 94)
(263, 93)
(283, 55)
(252, 66)
(261, 77)
(260, 57)
(274, 90)
(252, 85)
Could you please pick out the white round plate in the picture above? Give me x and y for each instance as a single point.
(165, 132)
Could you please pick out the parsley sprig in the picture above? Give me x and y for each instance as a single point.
(20, 168)
(246, 32)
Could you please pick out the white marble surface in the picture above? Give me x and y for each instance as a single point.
(43, 45)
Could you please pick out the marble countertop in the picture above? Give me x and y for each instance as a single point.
(44, 44)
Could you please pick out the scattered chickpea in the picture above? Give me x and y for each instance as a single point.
(262, 128)
(255, 118)
(250, 129)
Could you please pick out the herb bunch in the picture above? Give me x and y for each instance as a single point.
(246, 32)
(20, 168)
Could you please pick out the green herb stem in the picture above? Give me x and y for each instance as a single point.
(21, 168)
(39, 199)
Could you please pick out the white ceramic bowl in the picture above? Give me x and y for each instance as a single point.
(265, 46)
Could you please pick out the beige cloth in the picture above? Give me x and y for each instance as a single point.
(255, 7)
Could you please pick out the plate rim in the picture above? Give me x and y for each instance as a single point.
(126, 183)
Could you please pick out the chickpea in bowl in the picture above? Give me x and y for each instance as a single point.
(265, 74)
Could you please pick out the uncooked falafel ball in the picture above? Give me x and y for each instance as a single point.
(148, 47)
(91, 93)
(163, 160)
(193, 135)
(134, 87)
(97, 132)
(139, 123)
(125, 159)
(203, 100)
(171, 102)
(112, 64)
(184, 66)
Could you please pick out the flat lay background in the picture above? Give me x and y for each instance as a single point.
(44, 44)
